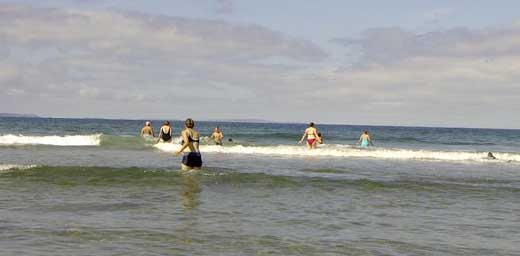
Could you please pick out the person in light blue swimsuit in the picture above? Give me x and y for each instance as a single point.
(364, 140)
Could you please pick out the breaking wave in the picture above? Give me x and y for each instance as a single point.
(7, 167)
(349, 151)
(70, 140)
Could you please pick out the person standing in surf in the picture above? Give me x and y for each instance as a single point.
(147, 130)
(165, 133)
(312, 136)
(217, 136)
(364, 140)
(190, 140)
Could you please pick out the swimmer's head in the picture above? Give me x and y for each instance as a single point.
(189, 123)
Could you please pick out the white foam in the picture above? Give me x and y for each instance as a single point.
(175, 144)
(168, 147)
(348, 151)
(7, 167)
(71, 140)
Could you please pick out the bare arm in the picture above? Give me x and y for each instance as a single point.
(303, 137)
(185, 144)
(160, 134)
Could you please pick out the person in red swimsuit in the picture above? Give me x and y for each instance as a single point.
(312, 136)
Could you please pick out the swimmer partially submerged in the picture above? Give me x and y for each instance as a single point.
(192, 159)
(217, 136)
(165, 133)
(147, 130)
(365, 140)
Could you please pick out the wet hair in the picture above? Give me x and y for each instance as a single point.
(311, 124)
(189, 123)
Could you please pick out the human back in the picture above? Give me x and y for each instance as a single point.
(165, 133)
(311, 133)
(147, 130)
(191, 159)
(193, 137)
(365, 140)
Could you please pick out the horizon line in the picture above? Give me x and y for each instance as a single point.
(249, 120)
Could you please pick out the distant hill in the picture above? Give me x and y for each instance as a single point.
(18, 115)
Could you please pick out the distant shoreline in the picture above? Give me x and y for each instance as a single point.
(19, 115)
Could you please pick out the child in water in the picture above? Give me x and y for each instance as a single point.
(320, 138)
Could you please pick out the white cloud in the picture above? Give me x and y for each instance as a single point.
(224, 6)
(126, 34)
(124, 56)
(393, 44)
(7, 72)
(458, 77)
(14, 91)
(116, 64)
(88, 92)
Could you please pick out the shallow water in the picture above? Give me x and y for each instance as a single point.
(421, 191)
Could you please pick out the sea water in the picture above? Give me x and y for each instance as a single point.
(94, 187)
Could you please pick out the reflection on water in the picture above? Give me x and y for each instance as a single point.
(190, 191)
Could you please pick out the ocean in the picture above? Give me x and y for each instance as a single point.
(94, 187)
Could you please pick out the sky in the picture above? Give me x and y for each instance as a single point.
(406, 63)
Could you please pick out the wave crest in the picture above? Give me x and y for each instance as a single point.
(70, 140)
(7, 167)
(349, 151)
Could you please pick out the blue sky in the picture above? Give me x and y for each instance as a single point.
(433, 63)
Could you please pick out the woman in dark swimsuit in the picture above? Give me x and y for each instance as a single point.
(190, 141)
(165, 133)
